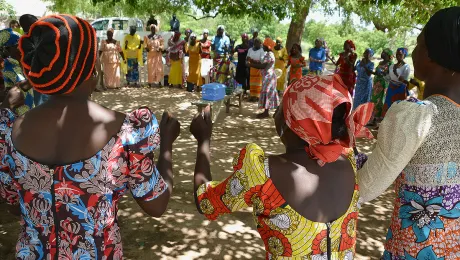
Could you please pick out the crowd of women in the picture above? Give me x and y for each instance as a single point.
(305, 201)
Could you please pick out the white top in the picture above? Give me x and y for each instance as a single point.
(402, 132)
(256, 55)
(403, 71)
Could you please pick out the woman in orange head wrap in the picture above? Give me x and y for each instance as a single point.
(268, 97)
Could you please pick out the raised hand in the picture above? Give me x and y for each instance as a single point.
(169, 128)
(201, 126)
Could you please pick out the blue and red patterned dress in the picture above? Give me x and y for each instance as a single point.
(70, 211)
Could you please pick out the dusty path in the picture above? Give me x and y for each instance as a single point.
(182, 233)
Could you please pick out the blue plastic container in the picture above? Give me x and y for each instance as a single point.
(213, 92)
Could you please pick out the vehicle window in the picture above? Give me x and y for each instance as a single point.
(101, 25)
(120, 24)
(140, 27)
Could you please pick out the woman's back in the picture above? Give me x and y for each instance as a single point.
(70, 208)
(427, 210)
(284, 196)
(320, 194)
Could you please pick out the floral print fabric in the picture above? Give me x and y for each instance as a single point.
(286, 234)
(70, 211)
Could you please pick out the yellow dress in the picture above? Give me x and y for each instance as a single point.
(286, 234)
(194, 69)
(281, 58)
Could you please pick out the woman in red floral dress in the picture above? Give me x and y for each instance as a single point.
(346, 65)
(314, 220)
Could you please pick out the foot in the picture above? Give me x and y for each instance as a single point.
(262, 115)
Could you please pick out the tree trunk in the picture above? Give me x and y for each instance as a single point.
(297, 25)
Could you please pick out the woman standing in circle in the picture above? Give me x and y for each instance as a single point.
(314, 221)
(269, 96)
(282, 57)
(242, 71)
(346, 65)
(296, 63)
(381, 82)
(418, 150)
(68, 162)
(176, 50)
(110, 53)
(194, 77)
(399, 81)
(154, 45)
(365, 69)
(255, 56)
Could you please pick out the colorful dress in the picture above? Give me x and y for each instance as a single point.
(176, 55)
(255, 76)
(12, 74)
(282, 57)
(154, 58)
(111, 63)
(296, 73)
(269, 96)
(286, 234)
(418, 146)
(363, 89)
(381, 82)
(133, 55)
(347, 72)
(397, 90)
(194, 75)
(205, 49)
(70, 211)
(242, 71)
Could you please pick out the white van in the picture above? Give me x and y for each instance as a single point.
(121, 28)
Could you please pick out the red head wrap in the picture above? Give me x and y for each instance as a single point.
(269, 43)
(351, 43)
(308, 105)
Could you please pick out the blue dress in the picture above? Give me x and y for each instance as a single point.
(12, 74)
(363, 90)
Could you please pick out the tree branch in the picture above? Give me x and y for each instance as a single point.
(203, 17)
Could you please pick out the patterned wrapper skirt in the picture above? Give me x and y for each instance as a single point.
(255, 81)
(133, 71)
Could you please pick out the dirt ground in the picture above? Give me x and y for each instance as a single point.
(182, 233)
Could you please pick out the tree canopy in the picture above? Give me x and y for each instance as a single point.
(388, 15)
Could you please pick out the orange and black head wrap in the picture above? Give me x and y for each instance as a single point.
(58, 53)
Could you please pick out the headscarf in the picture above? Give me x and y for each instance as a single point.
(279, 39)
(371, 51)
(388, 51)
(404, 51)
(154, 26)
(308, 106)
(245, 36)
(221, 27)
(190, 38)
(351, 43)
(113, 30)
(188, 31)
(58, 54)
(8, 37)
(205, 31)
(269, 43)
(254, 30)
(442, 38)
(298, 46)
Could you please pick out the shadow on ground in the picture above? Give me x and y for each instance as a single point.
(182, 233)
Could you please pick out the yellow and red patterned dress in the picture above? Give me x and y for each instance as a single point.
(286, 234)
